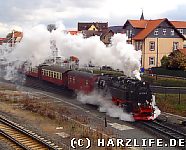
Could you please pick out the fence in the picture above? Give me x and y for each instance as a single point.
(176, 95)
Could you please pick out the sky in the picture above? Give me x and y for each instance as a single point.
(20, 14)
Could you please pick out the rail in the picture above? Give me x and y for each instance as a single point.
(24, 138)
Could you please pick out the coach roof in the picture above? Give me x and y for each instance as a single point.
(56, 68)
(81, 74)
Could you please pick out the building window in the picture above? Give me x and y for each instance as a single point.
(127, 33)
(152, 46)
(151, 61)
(164, 31)
(156, 32)
(181, 31)
(175, 45)
(172, 32)
(130, 34)
(140, 45)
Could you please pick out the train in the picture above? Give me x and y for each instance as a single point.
(130, 94)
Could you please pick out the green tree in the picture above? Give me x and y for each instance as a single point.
(177, 60)
(164, 61)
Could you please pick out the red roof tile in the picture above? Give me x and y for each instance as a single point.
(150, 26)
(138, 23)
(73, 32)
(179, 24)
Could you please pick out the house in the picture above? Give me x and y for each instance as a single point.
(14, 37)
(181, 27)
(106, 36)
(117, 29)
(96, 29)
(93, 26)
(155, 38)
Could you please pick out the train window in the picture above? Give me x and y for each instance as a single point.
(51, 74)
(48, 73)
(57, 76)
(86, 82)
(61, 77)
(73, 79)
(54, 75)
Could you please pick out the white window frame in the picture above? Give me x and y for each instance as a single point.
(172, 32)
(127, 33)
(130, 33)
(151, 59)
(156, 32)
(181, 31)
(150, 44)
(175, 46)
(164, 31)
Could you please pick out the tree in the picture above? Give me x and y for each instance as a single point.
(176, 60)
(164, 61)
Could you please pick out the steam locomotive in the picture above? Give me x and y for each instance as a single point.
(133, 95)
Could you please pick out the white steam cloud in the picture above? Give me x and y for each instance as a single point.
(35, 48)
(118, 55)
(157, 111)
(105, 105)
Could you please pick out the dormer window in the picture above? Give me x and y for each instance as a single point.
(130, 34)
(164, 31)
(181, 31)
(172, 32)
(156, 32)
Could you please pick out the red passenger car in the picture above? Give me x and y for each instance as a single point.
(54, 74)
(81, 81)
(32, 72)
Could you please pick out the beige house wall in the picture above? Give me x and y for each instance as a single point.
(165, 47)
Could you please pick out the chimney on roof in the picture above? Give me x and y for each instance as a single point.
(142, 16)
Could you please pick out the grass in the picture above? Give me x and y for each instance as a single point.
(171, 103)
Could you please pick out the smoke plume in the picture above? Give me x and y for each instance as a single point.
(35, 48)
(105, 105)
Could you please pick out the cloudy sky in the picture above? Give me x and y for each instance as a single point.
(23, 13)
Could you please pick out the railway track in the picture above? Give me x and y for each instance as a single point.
(23, 139)
(165, 130)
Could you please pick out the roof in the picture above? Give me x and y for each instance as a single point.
(81, 74)
(183, 51)
(18, 34)
(150, 26)
(138, 23)
(2, 39)
(87, 25)
(56, 68)
(105, 32)
(117, 29)
(179, 24)
(73, 32)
